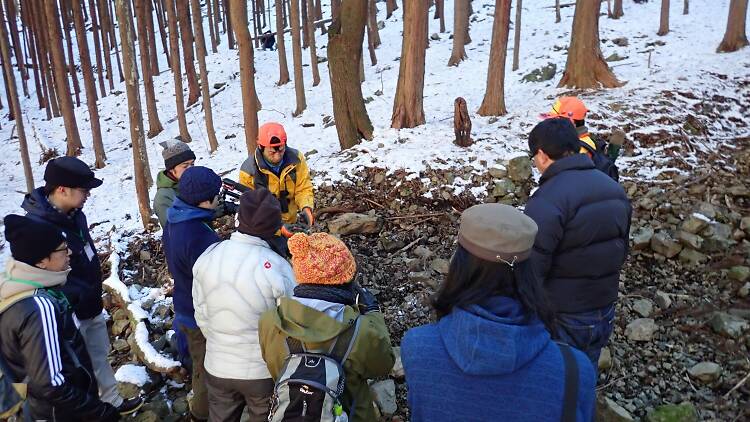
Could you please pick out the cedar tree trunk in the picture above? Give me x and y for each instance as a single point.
(283, 68)
(174, 47)
(407, 106)
(494, 97)
(186, 36)
(311, 42)
(247, 74)
(299, 81)
(735, 36)
(460, 31)
(200, 45)
(142, 11)
(664, 19)
(517, 35)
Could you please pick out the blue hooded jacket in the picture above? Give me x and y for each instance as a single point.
(489, 363)
(185, 238)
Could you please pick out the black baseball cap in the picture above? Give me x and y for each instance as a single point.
(70, 172)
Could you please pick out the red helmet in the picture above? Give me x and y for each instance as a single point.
(271, 134)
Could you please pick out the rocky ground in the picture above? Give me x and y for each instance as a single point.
(679, 351)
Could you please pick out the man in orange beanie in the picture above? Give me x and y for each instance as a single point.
(326, 305)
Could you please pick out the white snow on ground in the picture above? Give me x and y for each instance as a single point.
(687, 62)
(132, 374)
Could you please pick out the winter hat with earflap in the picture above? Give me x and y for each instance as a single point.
(175, 152)
(260, 213)
(31, 241)
(198, 184)
(497, 233)
(321, 259)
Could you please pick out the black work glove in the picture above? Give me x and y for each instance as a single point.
(366, 300)
(230, 208)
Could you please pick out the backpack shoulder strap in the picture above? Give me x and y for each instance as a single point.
(586, 146)
(344, 342)
(6, 303)
(295, 346)
(570, 395)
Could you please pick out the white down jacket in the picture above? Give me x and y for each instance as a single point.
(234, 282)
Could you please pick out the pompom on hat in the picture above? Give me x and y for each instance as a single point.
(321, 259)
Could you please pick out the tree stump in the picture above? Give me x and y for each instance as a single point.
(461, 123)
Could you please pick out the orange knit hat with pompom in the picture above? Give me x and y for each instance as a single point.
(321, 259)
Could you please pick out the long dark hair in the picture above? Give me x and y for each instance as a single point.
(470, 280)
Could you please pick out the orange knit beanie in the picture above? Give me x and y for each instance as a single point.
(321, 259)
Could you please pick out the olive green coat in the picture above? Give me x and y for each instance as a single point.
(371, 355)
(166, 192)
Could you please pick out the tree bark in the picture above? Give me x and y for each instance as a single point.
(617, 12)
(186, 36)
(160, 19)
(517, 35)
(217, 18)
(107, 50)
(174, 47)
(151, 34)
(735, 36)
(143, 14)
(311, 42)
(494, 97)
(113, 40)
(141, 169)
(299, 81)
(15, 105)
(200, 45)
(36, 13)
(460, 31)
(461, 123)
(64, 5)
(39, 82)
(372, 24)
(440, 13)
(345, 37)
(89, 84)
(228, 21)
(211, 33)
(558, 18)
(664, 19)
(61, 81)
(585, 67)
(303, 16)
(407, 106)
(20, 58)
(686, 7)
(247, 73)
(390, 7)
(96, 34)
(283, 68)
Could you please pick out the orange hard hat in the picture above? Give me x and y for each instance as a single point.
(570, 107)
(271, 134)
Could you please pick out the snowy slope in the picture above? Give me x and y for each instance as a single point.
(687, 62)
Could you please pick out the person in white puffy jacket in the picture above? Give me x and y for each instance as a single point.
(234, 282)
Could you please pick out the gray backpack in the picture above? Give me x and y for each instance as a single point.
(311, 384)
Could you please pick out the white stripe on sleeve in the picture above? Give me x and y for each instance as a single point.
(51, 342)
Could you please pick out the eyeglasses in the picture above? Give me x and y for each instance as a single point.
(278, 148)
(83, 191)
(64, 248)
(532, 154)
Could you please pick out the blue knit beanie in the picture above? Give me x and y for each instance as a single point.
(198, 184)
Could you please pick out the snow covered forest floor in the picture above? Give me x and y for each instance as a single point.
(683, 108)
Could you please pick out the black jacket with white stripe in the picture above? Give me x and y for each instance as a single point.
(42, 347)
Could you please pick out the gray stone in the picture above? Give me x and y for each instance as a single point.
(739, 190)
(622, 41)
(741, 313)
(398, 368)
(663, 243)
(605, 359)
(500, 172)
(390, 245)
(684, 412)
(120, 314)
(519, 168)
(435, 36)
(180, 405)
(353, 223)
(662, 299)
(706, 209)
(609, 411)
(424, 277)
(128, 390)
(120, 345)
(643, 307)
(147, 303)
(119, 327)
(544, 73)
(160, 343)
(614, 57)
(158, 406)
(642, 238)
(728, 325)
(690, 240)
(745, 224)
(692, 257)
(423, 252)
(145, 255)
(641, 329)
(739, 273)
(440, 265)
(695, 223)
(503, 187)
(744, 291)
(705, 371)
(384, 393)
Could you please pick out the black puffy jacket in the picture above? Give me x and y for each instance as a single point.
(42, 347)
(84, 286)
(584, 222)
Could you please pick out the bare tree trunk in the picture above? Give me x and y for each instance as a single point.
(96, 33)
(311, 42)
(372, 24)
(36, 15)
(15, 105)
(299, 80)
(247, 73)
(141, 169)
(686, 7)
(558, 18)
(89, 84)
(20, 58)
(228, 21)
(517, 35)
(390, 7)
(407, 106)
(617, 12)
(303, 14)
(31, 38)
(735, 36)
(256, 28)
(104, 17)
(200, 45)
(186, 36)
(586, 67)
(63, 90)
(211, 32)
(494, 97)
(283, 68)
(113, 41)
(664, 19)
(345, 37)
(69, 44)
(151, 34)
(174, 47)
(143, 13)
(460, 31)
(160, 13)
(217, 18)
(440, 13)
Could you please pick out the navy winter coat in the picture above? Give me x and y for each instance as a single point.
(185, 238)
(584, 222)
(84, 286)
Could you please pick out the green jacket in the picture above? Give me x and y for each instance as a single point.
(371, 355)
(166, 192)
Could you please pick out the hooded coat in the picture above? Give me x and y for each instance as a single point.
(166, 192)
(42, 347)
(488, 362)
(371, 355)
(84, 285)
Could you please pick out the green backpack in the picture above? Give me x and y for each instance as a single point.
(12, 394)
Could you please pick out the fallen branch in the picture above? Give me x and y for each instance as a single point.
(401, 217)
(374, 203)
(738, 385)
(407, 247)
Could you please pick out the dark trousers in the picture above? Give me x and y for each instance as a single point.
(227, 398)
(587, 331)
(197, 346)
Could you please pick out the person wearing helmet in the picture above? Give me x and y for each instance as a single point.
(575, 110)
(283, 171)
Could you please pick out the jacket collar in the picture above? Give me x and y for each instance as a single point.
(36, 203)
(20, 277)
(248, 239)
(571, 162)
(164, 181)
(180, 211)
(291, 158)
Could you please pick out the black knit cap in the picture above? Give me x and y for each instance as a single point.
(260, 213)
(31, 241)
(71, 173)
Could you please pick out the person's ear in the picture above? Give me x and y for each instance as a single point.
(43, 264)
(543, 159)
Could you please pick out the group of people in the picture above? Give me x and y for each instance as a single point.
(522, 315)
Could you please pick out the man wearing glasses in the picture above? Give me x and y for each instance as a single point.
(68, 185)
(281, 170)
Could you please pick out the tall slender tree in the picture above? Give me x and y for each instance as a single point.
(228, 22)
(557, 11)
(494, 97)
(142, 11)
(299, 80)
(664, 18)
(735, 36)
(247, 72)
(440, 13)
(311, 42)
(20, 58)
(107, 51)
(212, 35)
(617, 12)
(517, 35)
(200, 45)
(96, 35)
(64, 9)
(390, 7)
(407, 106)
(686, 7)
(280, 45)
(161, 20)
(186, 36)
(174, 46)
(460, 31)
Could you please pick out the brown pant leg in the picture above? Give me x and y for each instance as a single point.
(257, 395)
(225, 402)
(197, 348)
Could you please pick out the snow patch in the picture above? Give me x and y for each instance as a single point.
(133, 374)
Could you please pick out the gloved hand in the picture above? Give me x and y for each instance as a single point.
(230, 208)
(287, 230)
(306, 215)
(366, 300)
